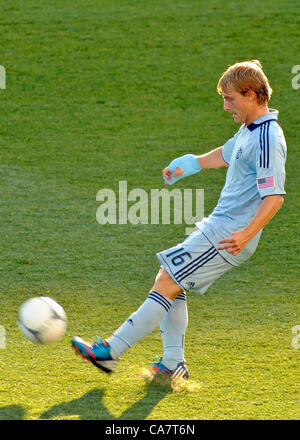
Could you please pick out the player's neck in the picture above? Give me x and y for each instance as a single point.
(257, 113)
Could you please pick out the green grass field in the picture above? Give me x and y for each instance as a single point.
(101, 92)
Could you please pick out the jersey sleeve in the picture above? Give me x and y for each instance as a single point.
(270, 163)
(227, 148)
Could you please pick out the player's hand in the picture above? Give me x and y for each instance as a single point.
(235, 243)
(181, 167)
(167, 175)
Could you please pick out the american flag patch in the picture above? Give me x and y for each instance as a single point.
(265, 182)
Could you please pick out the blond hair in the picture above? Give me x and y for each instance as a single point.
(246, 76)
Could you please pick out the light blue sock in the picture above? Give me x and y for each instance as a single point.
(140, 323)
(172, 329)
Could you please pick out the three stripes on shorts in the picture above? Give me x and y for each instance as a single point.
(190, 268)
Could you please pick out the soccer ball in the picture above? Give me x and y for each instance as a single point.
(42, 320)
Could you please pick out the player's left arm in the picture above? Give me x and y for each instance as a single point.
(266, 211)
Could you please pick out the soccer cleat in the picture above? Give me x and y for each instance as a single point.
(180, 371)
(98, 353)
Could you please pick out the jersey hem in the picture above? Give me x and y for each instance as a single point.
(218, 251)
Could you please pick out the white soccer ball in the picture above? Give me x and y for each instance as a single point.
(42, 320)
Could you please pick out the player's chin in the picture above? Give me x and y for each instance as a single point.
(237, 118)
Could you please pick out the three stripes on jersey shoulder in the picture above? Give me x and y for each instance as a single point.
(264, 140)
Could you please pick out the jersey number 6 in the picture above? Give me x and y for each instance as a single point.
(180, 257)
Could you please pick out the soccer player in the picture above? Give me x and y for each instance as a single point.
(252, 195)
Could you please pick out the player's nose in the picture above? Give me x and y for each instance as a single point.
(226, 106)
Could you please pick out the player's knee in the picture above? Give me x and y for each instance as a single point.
(165, 285)
(162, 277)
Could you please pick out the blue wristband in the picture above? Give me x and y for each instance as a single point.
(189, 165)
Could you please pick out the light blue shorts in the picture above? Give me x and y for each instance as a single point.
(195, 263)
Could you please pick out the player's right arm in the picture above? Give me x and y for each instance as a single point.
(190, 164)
(213, 159)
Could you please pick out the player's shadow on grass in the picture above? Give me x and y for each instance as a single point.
(12, 412)
(90, 406)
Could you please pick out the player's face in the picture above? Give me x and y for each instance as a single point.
(238, 105)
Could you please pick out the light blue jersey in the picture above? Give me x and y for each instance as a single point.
(256, 157)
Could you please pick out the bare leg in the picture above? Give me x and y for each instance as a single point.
(165, 285)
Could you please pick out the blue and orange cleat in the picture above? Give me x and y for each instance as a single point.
(160, 369)
(98, 353)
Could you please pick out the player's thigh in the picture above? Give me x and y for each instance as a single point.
(194, 264)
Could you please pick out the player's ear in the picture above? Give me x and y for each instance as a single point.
(250, 95)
